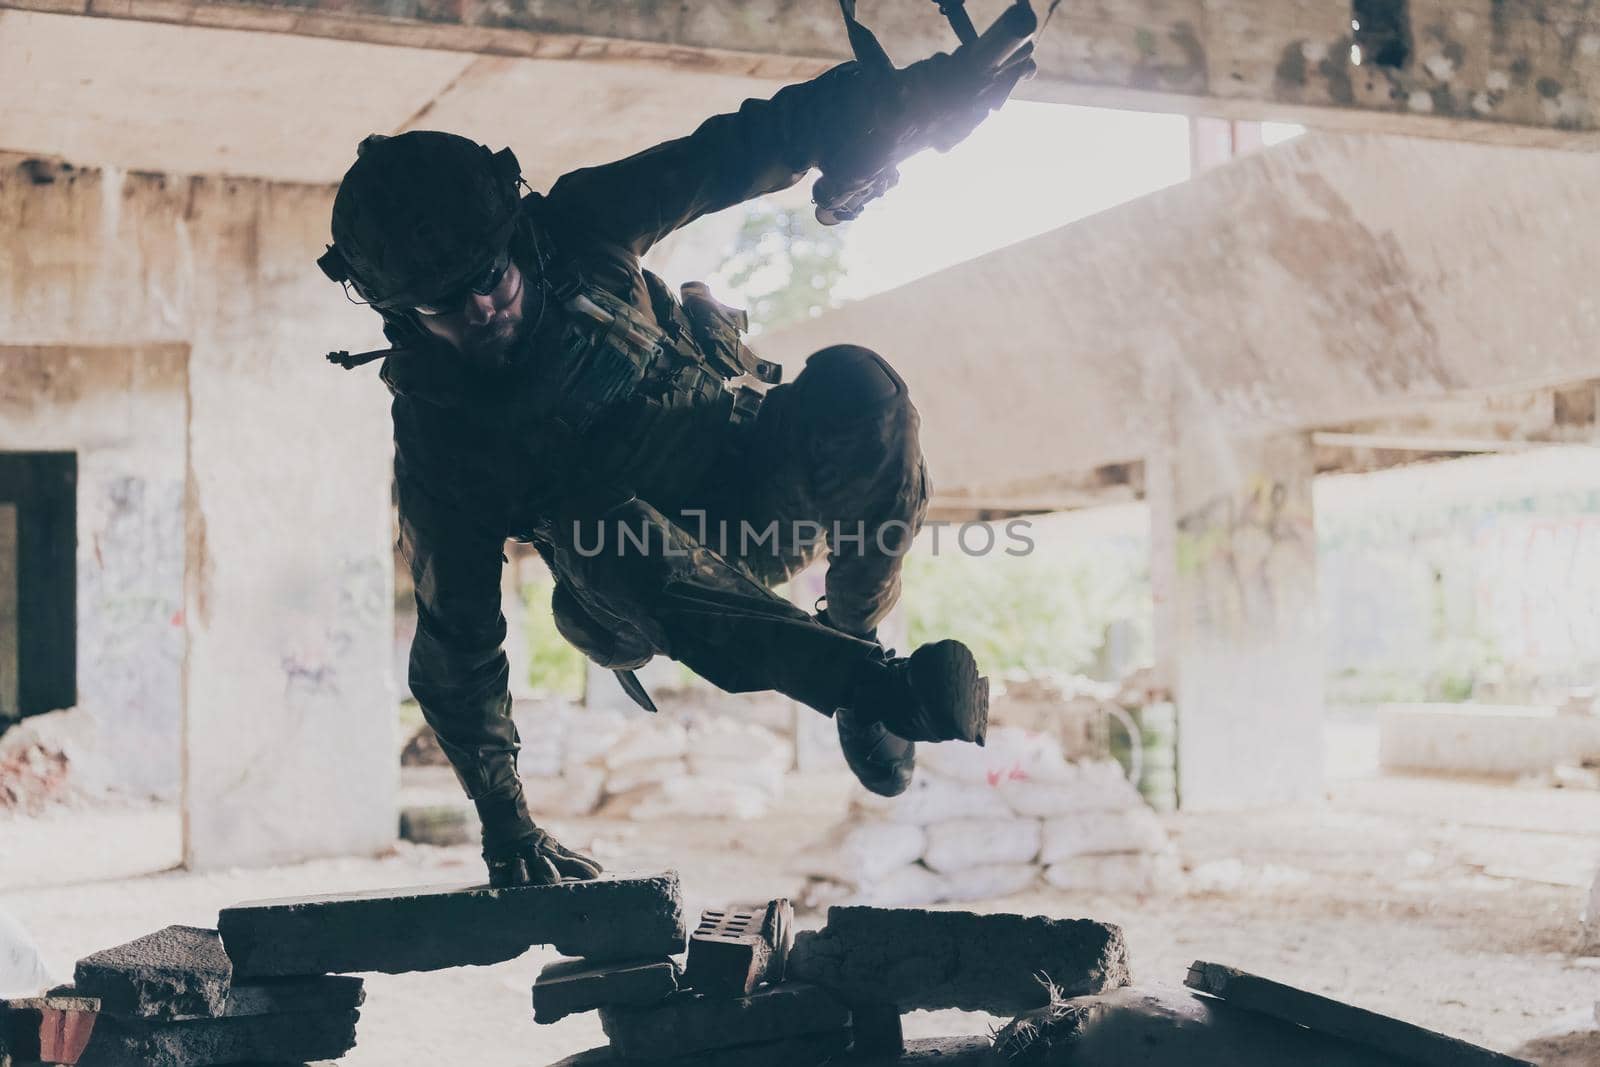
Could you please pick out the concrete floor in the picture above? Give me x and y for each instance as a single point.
(1451, 904)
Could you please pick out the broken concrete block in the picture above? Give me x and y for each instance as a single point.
(181, 970)
(734, 950)
(935, 1052)
(812, 1050)
(962, 843)
(426, 929)
(1323, 1015)
(687, 1023)
(285, 996)
(954, 959)
(875, 1030)
(1163, 1026)
(572, 986)
(295, 1038)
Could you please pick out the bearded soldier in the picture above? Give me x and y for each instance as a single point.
(547, 389)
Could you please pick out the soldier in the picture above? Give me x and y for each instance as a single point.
(548, 389)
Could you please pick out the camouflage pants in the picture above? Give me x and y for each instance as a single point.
(832, 463)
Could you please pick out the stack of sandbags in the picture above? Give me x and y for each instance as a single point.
(578, 762)
(979, 823)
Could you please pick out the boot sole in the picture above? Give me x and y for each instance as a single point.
(955, 697)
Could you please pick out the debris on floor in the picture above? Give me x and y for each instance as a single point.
(272, 986)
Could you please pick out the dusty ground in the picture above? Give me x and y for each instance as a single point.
(1450, 904)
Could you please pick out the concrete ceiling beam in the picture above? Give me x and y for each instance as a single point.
(1522, 72)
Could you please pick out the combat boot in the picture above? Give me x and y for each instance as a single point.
(935, 694)
(881, 761)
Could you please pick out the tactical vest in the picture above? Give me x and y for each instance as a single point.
(653, 405)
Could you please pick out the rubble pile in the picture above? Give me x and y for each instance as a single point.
(173, 999)
(753, 992)
(267, 988)
(272, 984)
(980, 823)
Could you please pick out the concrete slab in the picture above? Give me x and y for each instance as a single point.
(811, 1051)
(434, 927)
(917, 959)
(1483, 738)
(876, 1030)
(293, 1038)
(687, 1024)
(573, 986)
(1165, 1026)
(1401, 1040)
(179, 971)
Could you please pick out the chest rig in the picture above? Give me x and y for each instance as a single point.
(651, 401)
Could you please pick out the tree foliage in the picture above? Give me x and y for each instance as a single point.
(786, 264)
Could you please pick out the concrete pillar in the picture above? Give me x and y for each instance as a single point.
(288, 699)
(1237, 621)
(1589, 942)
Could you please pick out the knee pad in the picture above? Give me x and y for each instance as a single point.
(846, 381)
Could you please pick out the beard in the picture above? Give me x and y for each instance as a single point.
(490, 347)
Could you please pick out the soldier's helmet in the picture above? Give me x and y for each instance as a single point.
(419, 214)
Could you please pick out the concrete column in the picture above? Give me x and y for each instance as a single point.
(288, 728)
(1237, 620)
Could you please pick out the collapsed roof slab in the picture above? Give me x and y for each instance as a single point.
(580, 82)
(1327, 280)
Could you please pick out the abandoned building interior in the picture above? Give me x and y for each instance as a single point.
(1256, 347)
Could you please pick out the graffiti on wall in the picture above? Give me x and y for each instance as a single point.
(130, 622)
(1537, 577)
(1249, 554)
(353, 611)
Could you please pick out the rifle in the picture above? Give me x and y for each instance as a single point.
(937, 109)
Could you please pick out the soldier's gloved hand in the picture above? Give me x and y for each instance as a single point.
(952, 93)
(936, 102)
(536, 860)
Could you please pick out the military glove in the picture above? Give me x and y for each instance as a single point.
(537, 860)
(933, 103)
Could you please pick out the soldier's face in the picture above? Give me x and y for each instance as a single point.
(486, 325)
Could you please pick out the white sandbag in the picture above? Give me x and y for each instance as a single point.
(933, 798)
(1086, 832)
(22, 971)
(1009, 753)
(1117, 872)
(766, 774)
(990, 882)
(959, 844)
(648, 739)
(589, 735)
(721, 737)
(903, 888)
(698, 798)
(864, 853)
(1088, 786)
(631, 776)
(575, 793)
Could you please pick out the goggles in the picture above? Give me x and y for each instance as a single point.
(482, 284)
